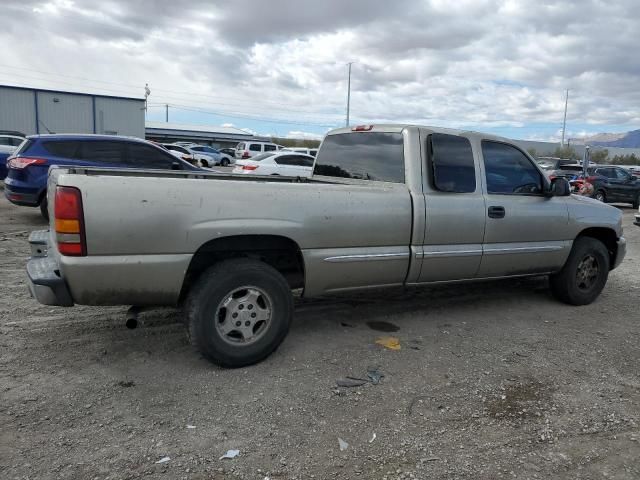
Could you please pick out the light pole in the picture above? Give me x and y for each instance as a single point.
(349, 91)
(564, 122)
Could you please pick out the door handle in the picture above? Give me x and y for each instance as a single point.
(496, 212)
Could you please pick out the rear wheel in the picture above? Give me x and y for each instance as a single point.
(636, 202)
(600, 196)
(585, 273)
(44, 207)
(239, 312)
(224, 162)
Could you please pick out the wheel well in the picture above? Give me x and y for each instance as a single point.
(607, 236)
(281, 253)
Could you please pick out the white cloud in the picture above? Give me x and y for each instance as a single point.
(480, 64)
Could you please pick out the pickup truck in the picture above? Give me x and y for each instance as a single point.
(387, 205)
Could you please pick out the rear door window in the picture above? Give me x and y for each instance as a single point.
(452, 166)
(509, 171)
(362, 155)
(63, 148)
(146, 156)
(270, 148)
(103, 151)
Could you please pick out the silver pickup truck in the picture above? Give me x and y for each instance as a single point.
(387, 205)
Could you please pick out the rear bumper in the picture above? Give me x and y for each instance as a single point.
(45, 282)
(20, 196)
(620, 253)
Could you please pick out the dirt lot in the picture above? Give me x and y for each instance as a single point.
(493, 380)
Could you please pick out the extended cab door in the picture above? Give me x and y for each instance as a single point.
(526, 232)
(455, 209)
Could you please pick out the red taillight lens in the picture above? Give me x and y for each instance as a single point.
(591, 179)
(362, 128)
(249, 167)
(20, 163)
(551, 177)
(245, 154)
(69, 222)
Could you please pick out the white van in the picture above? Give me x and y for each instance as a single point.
(246, 150)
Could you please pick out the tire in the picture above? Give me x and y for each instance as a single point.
(224, 162)
(204, 163)
(577, 283)
(44, 207)
(600, 196)
(244, 288)
(636, 202)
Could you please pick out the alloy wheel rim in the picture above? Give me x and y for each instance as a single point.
(587, 272)
(244, 315)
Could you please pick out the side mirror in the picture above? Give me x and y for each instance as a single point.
(559, 188)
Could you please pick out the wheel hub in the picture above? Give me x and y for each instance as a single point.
(587, 272)
(244, 315)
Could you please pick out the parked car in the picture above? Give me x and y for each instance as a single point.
(289, 164)
(371, 216)
(550, 164)
(613, 184)
(229, 151)
(246, 150)
(180, 152)
(217, 158)
(26, 182)
(203, 156)
(308, 151)
(8, 144)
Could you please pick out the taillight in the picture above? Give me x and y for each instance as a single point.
(592, 179)
(20, 163)
(249, 167)
(362, 128)
(69, 221)
(245, 154)
(551, 177)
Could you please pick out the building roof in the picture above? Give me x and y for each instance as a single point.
(163, 127)
(86, 94)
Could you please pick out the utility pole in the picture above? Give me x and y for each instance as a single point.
(349, 92)
(564, 122)
(166, 112)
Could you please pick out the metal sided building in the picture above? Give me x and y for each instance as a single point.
(217, 137)
(35, 110)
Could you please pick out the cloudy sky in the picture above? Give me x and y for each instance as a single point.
(279, 66)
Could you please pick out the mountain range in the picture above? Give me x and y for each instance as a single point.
(622, 140)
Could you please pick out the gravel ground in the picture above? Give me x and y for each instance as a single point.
(493, 380)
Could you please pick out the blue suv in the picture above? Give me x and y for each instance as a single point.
(26, 182)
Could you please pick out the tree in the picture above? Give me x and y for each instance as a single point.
(600, 156)
(566, 152)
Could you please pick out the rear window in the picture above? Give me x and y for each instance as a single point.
(26, 145)
(262, 156)
(363, 155)
(240, 146)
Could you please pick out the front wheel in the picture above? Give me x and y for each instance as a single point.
(601, 196)
(238, 312)
(584, 275)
